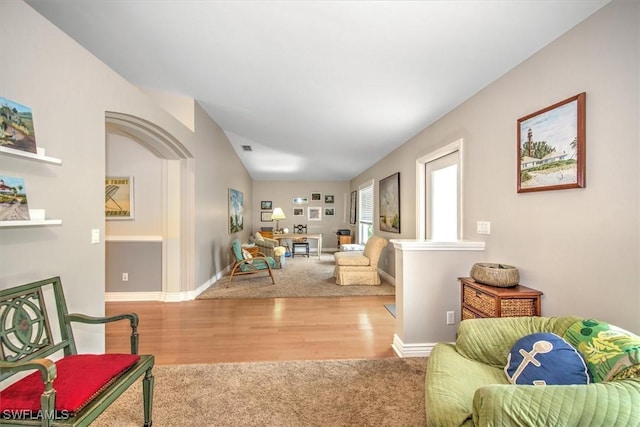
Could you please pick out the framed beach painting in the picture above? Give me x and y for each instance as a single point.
(13, 199)
(16, 126)
(390, 203)
(551, 147)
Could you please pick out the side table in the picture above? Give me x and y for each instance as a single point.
(480, 300)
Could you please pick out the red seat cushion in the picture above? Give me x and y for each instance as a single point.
(79, 378)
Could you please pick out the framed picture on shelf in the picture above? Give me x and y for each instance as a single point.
(390, 203)
(298, 211)
(266, 205)
(118, 195)
(328, 198)
(236, 211)
(551, 147)
(316, 197)
(13, 199)
(314, 214)
(266, 216)
(329, 211)
(16, 126)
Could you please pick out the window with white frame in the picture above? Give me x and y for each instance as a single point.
(365, 212)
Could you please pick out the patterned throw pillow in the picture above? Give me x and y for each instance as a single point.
(545, 359)
(247, 255)
(611, 352)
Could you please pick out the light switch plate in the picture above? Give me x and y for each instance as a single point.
(484, 227)
(95, 236)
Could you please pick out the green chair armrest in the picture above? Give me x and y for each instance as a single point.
(46, 367)
(601, 404)
(132, 317)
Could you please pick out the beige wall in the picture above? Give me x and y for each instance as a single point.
(579, 246)
(281, 194)
(69, 91)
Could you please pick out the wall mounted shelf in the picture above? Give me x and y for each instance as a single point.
(31, 156)
(30, 223)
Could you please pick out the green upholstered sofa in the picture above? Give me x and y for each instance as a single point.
(466, 383)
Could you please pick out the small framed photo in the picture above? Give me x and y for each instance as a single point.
(265, 217)
(118, 194)
(298, 211)
(266, 205)
(314, 214)
(551, 147)
(316, 197)
(329, 211)
(328, 198)
(300, 200)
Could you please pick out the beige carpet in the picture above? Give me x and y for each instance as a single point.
(300, 277)
(380, 392)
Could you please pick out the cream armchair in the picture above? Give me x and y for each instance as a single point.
(360, 268)
(270, 248)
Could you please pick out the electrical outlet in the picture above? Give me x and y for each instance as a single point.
(125, 277)
(450, 317)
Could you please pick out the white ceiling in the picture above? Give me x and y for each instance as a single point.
(321, 90)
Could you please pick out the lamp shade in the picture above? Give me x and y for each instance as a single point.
(278, 214)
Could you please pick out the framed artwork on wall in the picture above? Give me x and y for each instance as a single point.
(352, 210)
(298, 211)
(328, 198)
(266, 205)
(551, 147)
(16, 126)
(314, 214)
(316, 197)
(329, 211)
(300, 200)
(265, 217)
(236, 211)
(390, 203)
(13, 199)
(118, 197)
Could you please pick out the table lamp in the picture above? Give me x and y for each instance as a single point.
(278, 215)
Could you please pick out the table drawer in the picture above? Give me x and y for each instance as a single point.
(479, 301)
(468, 314)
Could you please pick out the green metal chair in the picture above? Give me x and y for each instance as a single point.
(35, 329)
(247, 264)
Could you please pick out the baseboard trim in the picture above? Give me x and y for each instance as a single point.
(164, 296)
(411, 350)
(387, 277)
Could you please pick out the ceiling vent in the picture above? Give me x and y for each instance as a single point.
(247, 148)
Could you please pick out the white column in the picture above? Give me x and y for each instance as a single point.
(426, 288)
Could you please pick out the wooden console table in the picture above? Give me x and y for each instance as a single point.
(480, 300)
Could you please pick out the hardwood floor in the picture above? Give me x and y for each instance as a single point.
(250, 330)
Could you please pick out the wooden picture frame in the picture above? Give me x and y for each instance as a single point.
(266, 205)
(118, 195)
(389, 191)
(551, 147)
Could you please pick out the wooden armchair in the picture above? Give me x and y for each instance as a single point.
(66, 388)
(245, 263)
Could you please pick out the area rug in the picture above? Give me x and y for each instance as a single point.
(378, 392)
(300, 277)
